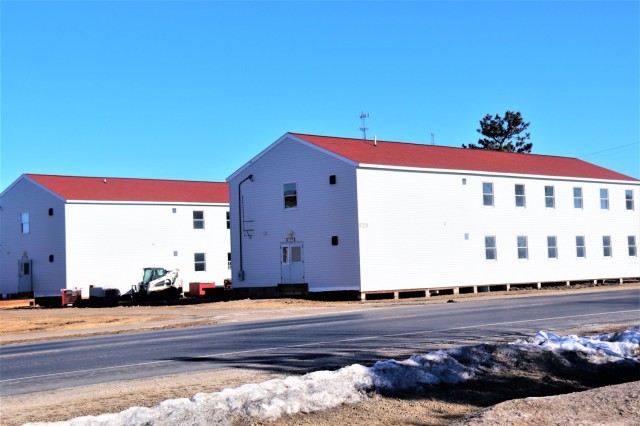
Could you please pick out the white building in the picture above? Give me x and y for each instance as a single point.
(335, 214)
(66, 232)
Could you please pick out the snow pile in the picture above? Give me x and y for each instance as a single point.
(599, 349)
(327, 389)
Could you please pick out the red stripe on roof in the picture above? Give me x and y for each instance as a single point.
(128, 189)
(399, 154)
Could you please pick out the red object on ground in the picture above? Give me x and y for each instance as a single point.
(197, 289)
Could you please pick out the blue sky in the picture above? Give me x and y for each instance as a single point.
(193, 90)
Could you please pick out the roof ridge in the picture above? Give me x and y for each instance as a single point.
(120, 178)
(436, 146)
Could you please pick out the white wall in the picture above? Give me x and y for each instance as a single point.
(109, 244)
(323, 211)
(413, 226)
(46, 237)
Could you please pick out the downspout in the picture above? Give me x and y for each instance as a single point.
(240, 223)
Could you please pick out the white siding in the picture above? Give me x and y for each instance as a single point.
(323, 211)
(413, 227)
(45, 238)
(109, 244)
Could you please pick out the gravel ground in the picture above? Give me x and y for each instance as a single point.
(490, 402)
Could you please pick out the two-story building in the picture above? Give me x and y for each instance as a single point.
(70, 232)
(337, 214)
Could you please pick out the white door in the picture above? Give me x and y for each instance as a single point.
(292, 263)
(25, 282)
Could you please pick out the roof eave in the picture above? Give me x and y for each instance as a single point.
(490, 173)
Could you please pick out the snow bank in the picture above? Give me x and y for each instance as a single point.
(327, 389)
(600, 349)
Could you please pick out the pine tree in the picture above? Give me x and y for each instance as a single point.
(503, 134)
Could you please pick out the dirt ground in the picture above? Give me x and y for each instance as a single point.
(505, 399)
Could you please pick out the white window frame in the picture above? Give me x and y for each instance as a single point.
(550, 200)
(606, 246)
(198, 222)
(291, 196)
(490, 248)
(487, 197)
(604, 199)
(521, 199)
(523, 247)
(633, 249)
(552, 247)
(578, 202)
(581, 247)
(628, 197)
(200, 262)
(25, 227)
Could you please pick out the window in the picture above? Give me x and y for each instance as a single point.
(200, 263)
(552, 247)
(632, 245)
(490, 250)
(577, 198)
(549, 197)
(628, 195)
(520, 200)
(487, 193)
(229, 261)
(51, 212)
(523, 248)
(228, 220)
(290, 195)
(198, 219)
(604, 199)
(581, 250)
(24, 223)
(606, 245)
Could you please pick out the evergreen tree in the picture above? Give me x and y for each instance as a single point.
(503, 134)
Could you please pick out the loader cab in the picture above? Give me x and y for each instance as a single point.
(151, 274)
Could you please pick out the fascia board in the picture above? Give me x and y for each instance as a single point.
(44, 188)
(498, 174)
(280, 140)
(147, 203)
(257, 157)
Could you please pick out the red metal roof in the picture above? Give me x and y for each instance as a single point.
(400, 154)
(128, 189)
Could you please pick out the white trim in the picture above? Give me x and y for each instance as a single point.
(489, 173)
(418, 169)
(154, 203)
(280, 140)
(39, 185)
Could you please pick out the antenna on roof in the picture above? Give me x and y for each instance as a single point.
(363, 129)
(433, 138)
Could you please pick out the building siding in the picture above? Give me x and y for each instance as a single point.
(323, 211)
(110, 244)
(46, 238)
(413, 228)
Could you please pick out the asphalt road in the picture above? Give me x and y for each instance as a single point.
(302, 344)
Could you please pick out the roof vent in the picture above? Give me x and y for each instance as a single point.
(104, 181)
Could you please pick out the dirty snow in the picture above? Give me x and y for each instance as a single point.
(327, 389)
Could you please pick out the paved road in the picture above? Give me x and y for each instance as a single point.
(301, 344)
